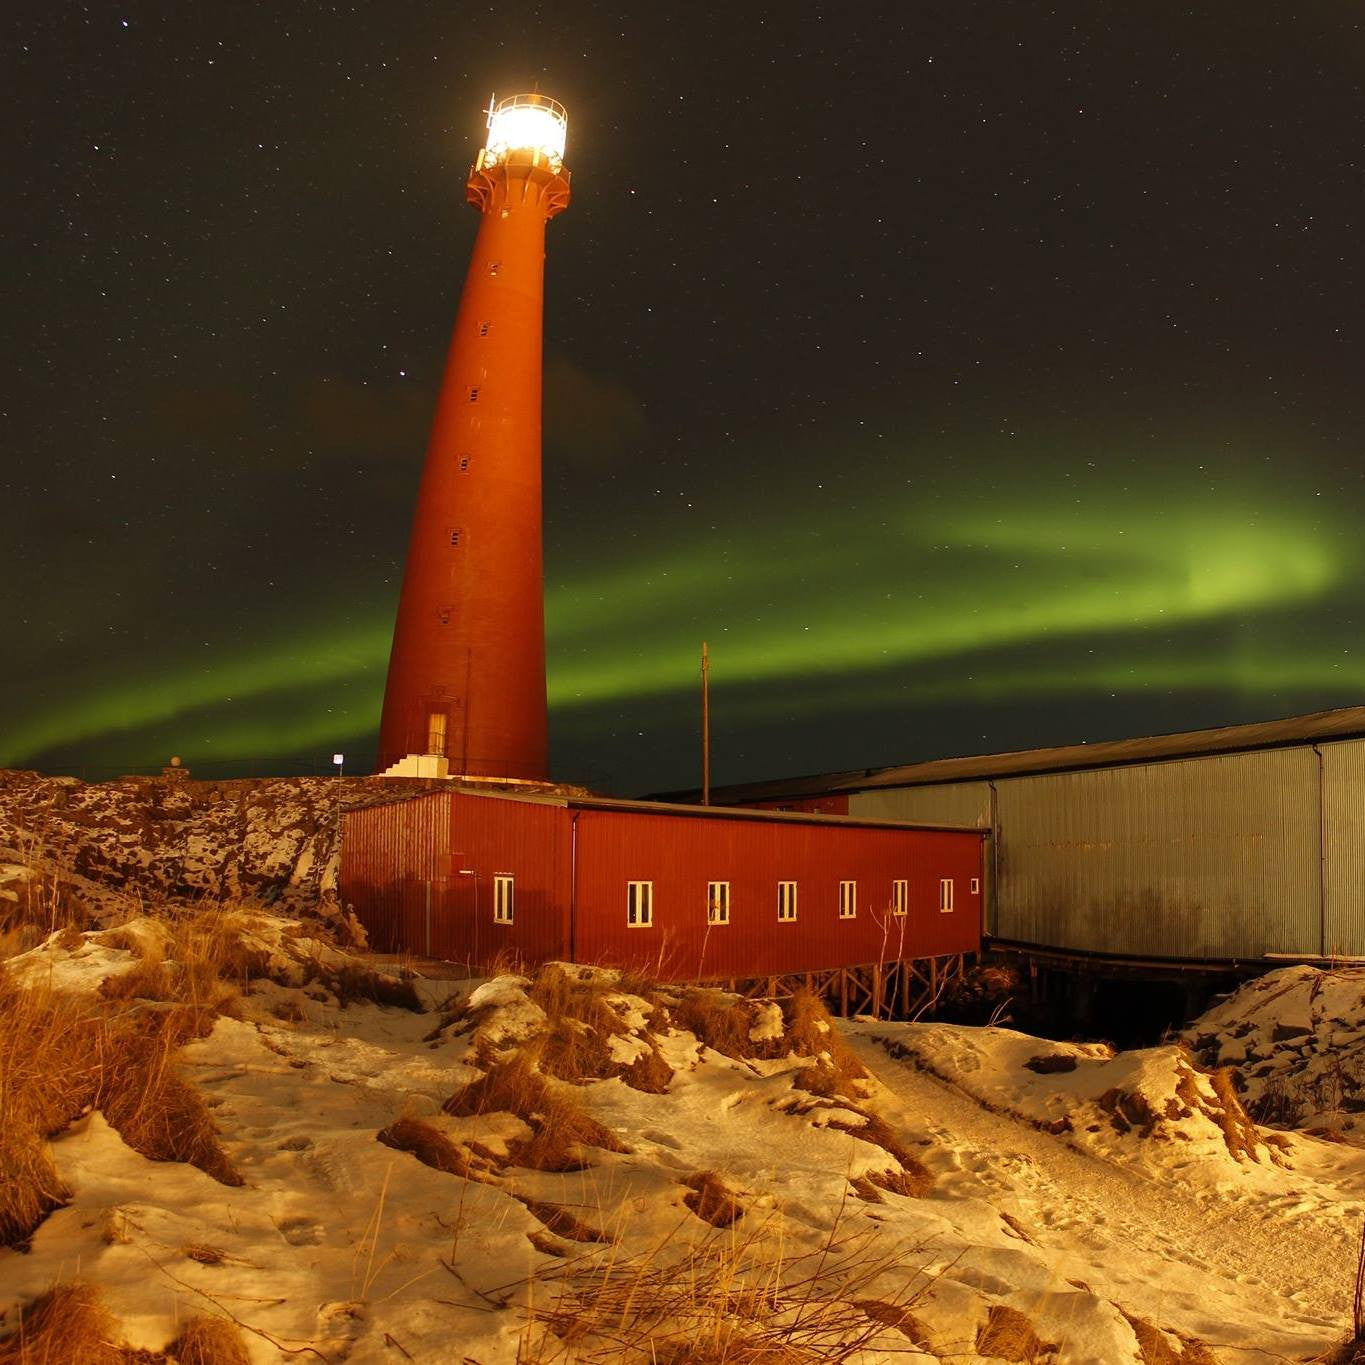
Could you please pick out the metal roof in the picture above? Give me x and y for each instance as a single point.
(682, 809)
(1347, 722)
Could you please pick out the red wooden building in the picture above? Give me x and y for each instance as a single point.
(683, 893)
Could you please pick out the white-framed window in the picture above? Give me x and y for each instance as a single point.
(945, 895)
(976, 886)
(502, 899)
(639, 905)
(848, 900)
(718, 902)
(786, 901)
(900, 896)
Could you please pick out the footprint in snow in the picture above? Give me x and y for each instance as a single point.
(300, 1232)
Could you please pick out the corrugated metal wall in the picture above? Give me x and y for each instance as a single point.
(1343, 810)
(390, 855)
(951, 803)
(1221, 856)
(1205, 858)
(527, 841)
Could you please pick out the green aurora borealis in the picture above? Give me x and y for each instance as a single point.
(1000, 388)
(907, 598)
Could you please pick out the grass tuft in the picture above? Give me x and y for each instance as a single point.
(562, 1222)
(61, 1056)
(429, 1145)
(68, 1324)
(210, 1341)
(351, 982)
(581, 1020)
(560, 1129)
(712, 1200)
(1009, 1335)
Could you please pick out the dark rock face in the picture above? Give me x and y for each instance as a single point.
(272, 841)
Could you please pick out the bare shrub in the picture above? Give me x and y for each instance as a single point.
(69, 1323)
(1009, 1335)
(560, 1129)
(211, 1341)
(1280, 1103)
(712, 1200)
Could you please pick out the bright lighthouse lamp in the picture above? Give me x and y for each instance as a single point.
(526, 123)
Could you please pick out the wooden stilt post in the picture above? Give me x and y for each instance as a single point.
(843, 992)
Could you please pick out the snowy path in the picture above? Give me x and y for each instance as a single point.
(1124, 1234)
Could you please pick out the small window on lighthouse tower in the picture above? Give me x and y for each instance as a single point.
(473, 393)
(464, 464)
(485, 328)
(457, 535)
(494, 267)
(436, 732)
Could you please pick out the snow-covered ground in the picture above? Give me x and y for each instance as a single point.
(1093, 1207)
(716, 1180)
(1297, 1039)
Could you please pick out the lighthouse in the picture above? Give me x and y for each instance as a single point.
(465, 694)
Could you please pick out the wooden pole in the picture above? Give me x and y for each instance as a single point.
(705, 725)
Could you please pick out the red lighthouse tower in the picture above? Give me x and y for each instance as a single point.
(466, 685)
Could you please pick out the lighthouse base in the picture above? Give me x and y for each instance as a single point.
(419, 765)
(438, 766)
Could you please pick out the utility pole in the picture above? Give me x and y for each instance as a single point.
(705, 725)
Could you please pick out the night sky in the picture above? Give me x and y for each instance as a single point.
(972, 376)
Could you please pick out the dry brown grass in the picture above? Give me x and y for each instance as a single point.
(67, 1325)
(60, 1056)
(1017, 1228)
(897, 1316)
(724, 1300)
(1239, 1131)
(725, 1024)
(429, 1145)
(560, 1129)
(912, 1179)
(1009, 1335)
(1052, 1063)
(1154, 1347)
(351, 982)
(44, 904)
(563, 1222)
(210, 1341)
(712, 1200)
(581, 1021)
(718, 1021)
